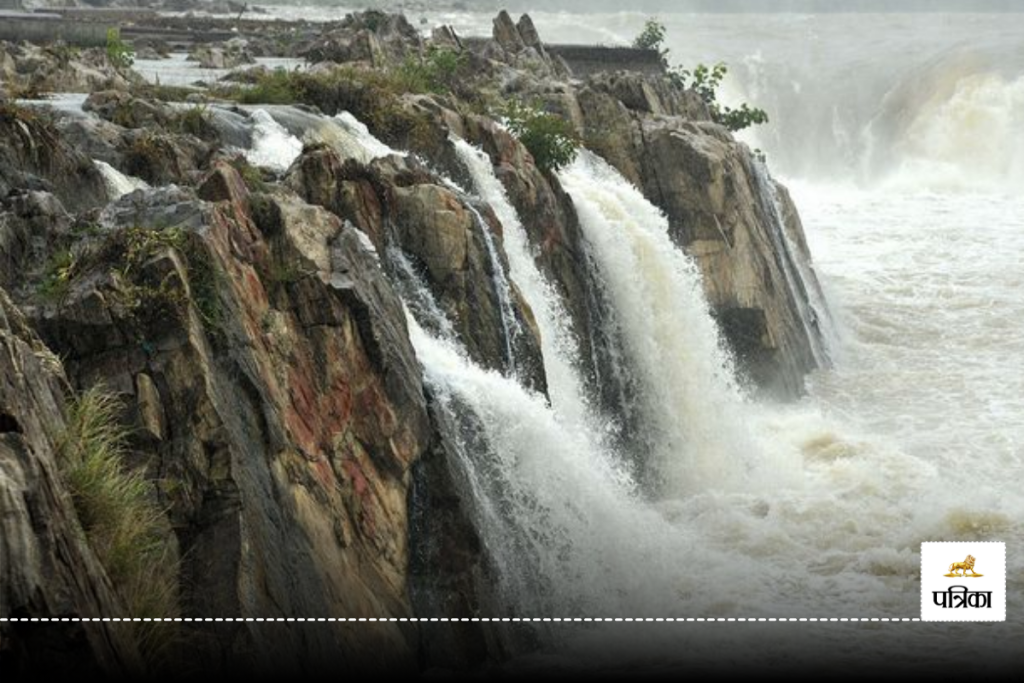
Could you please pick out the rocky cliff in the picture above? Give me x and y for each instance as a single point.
(252, 324)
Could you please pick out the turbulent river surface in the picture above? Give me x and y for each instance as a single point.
(901, 137)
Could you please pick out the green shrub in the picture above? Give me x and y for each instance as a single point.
(551, 139)
(122, 522)
(58, 274)
(119, 53)
(279, 86)
(436, 72)
(704, 81)
(251, 175)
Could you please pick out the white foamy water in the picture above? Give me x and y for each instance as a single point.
(272, 145)
(557, 344)
(688, 381)
(119, 184)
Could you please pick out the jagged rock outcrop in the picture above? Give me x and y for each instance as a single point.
(34, 156)
(401, 205)
(720, 210)
(285, 409)
(31, 222)
(372, 36)
(28, 68)
(518, 45)
(47, 570)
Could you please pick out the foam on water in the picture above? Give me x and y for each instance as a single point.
(272, 145)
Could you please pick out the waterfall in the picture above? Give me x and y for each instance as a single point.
(694, 408)
(364, 145)
(559, 518)
(272, 145)
(559, 349)
(560, 513)
(511, 328)
(810, 305)
(119, 184)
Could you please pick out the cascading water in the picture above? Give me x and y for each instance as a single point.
(812, 310)
(558, 515)
(689, 389)
(510, 325)
(558, 347)
(272, 145)
(119, 184)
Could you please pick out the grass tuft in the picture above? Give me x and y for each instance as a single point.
(122, 522)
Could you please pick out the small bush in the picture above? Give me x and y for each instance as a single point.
(704, 81)
(436, 72)
(551, 139)
(119, 53)
(122, 522)
(279, 86)
(58, 274)
(251, 175)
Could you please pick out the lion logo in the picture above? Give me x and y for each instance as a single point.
(961, 568)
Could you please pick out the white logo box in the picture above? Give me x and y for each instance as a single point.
(961, 604)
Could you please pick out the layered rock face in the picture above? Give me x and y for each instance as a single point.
(253, 325)
(48, 569)
(278, 405)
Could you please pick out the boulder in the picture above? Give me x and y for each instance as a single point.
(34, 156)
(442, 232)
(229, 55)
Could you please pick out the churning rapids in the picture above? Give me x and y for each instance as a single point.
(901, 138)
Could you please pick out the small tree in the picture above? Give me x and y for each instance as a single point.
(652, 37)
(552, 141)
(704, 80)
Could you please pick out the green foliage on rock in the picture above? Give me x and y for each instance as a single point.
(551, 140)
(705, 80)
(119, 53)
(195, 120)
(436, 72)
